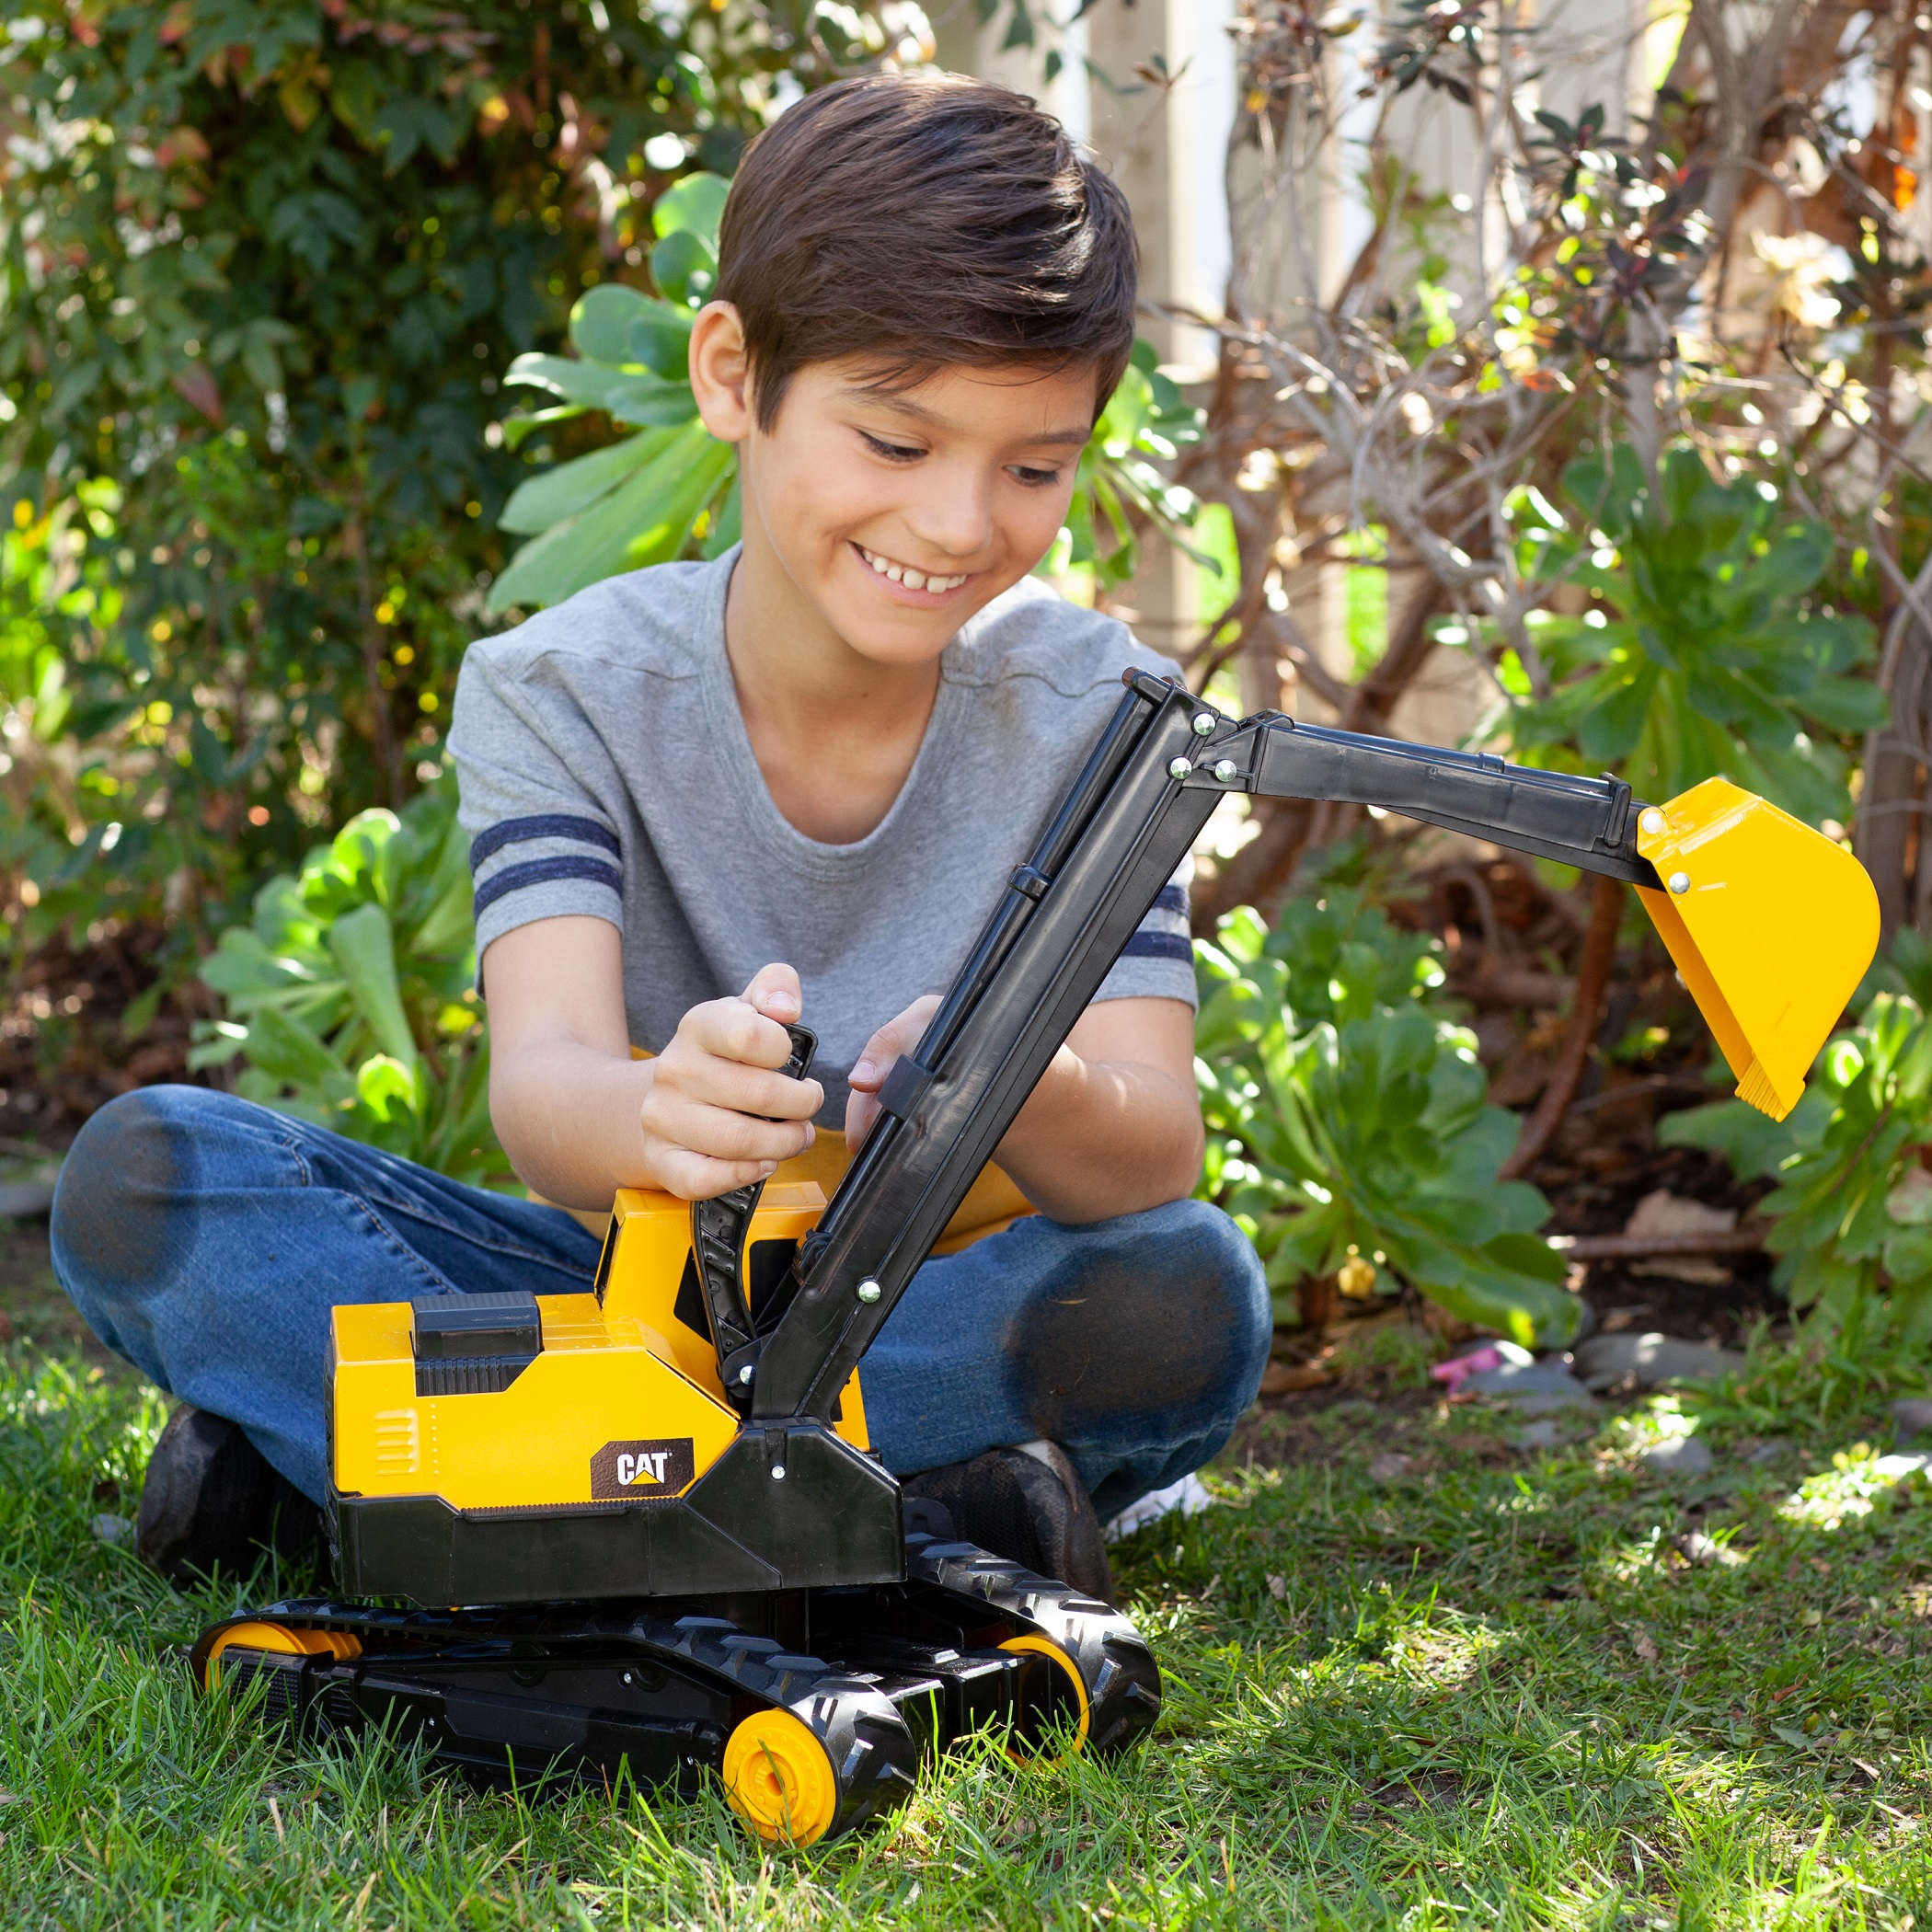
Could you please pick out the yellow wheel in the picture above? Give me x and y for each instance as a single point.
(779, 1780)
(282, 1641)
(1068, 1683)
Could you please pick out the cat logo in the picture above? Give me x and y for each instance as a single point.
(639, 1471)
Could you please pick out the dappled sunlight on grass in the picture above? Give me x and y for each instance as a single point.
(1491, 1689)
(1859, 1481)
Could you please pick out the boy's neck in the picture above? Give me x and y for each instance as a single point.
(835, 733)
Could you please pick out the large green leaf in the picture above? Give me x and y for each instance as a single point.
(558, 494)
(645, 519)
(578, 381)
(364, 946)
(694, 204)
(624, 326)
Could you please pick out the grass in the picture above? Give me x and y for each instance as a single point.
(1489, 1689)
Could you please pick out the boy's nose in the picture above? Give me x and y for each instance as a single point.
(955, 521)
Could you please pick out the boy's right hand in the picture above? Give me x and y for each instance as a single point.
(719, 1114)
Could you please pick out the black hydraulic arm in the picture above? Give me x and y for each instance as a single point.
(1128, 820)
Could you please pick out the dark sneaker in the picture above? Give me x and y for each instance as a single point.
(213, 1500)
(1028, 1505)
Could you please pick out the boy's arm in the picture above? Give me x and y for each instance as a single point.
(1113, 1127)
(580, 1117)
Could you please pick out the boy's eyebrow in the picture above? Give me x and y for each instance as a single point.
(918, 412)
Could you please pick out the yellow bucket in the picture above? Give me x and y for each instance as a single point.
(1772, 925)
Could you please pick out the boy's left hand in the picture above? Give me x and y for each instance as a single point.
(1113, 1125)
(869, 1072)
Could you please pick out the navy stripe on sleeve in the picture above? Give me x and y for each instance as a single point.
(547, 824)
(1158, 946)
(1172, 899)
(541, 871)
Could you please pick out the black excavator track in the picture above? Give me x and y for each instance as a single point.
(883, 1677)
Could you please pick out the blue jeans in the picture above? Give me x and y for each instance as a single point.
(206, 1238)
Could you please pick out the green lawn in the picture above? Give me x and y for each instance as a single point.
(1486, 1691)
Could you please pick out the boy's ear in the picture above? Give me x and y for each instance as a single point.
(721, 372)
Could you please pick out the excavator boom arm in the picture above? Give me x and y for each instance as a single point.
(1129, 817)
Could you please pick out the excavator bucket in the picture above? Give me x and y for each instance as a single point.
(1772, 925)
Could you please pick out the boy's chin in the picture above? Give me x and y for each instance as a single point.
(902, 643)
(890, 633)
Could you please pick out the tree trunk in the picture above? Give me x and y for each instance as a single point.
(1606, 918)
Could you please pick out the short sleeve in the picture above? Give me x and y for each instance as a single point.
(1157, 961)
(539, 848)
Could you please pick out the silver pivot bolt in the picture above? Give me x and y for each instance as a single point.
(1651, 821)
(744, 1374)
(777, 1472)
(868, 1291)
(1180, 767)
(1203, 724)
(1680, 883)
(1224, 769)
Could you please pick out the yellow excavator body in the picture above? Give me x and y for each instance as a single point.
(1771, 924)
(621, 1400)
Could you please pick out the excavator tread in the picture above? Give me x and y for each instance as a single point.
(1117, 1669)
(600, 1692)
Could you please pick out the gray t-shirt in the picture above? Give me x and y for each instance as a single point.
(606, 770)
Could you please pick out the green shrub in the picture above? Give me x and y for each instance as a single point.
(1851, 1216)
(349, 999)
(1348, 1119)
(1714, 655)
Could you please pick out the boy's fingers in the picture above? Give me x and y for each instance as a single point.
(899, 1035)
(861, 1116)
(725, 1133)
(697, 1176)
(775, 992)
(715, 1076)
(735, 1029)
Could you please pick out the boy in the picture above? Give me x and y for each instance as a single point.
(708, 798)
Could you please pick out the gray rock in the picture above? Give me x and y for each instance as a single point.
(1911, 1416)
(1686, 1456)
(22, 1200)
(1604, 1361)
(1533, 1388)
(1571, 1401)
(1539, 1435)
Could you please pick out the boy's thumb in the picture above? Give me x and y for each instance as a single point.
(775, 993)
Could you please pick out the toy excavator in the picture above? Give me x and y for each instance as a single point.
(675, 1558)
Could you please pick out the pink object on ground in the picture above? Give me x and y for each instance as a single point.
(1451, 1373)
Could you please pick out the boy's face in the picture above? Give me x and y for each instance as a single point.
(895, 517)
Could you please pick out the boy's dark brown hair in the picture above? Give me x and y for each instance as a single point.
(920, 222)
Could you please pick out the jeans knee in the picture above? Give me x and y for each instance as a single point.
(1220, 1261)
(1164, 1313)
(118, 1185)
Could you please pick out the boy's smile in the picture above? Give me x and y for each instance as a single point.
(914, 582)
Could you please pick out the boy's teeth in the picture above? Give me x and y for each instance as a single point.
(903, 573)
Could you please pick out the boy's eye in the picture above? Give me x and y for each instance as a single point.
(892, 452)
(1033, 478)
